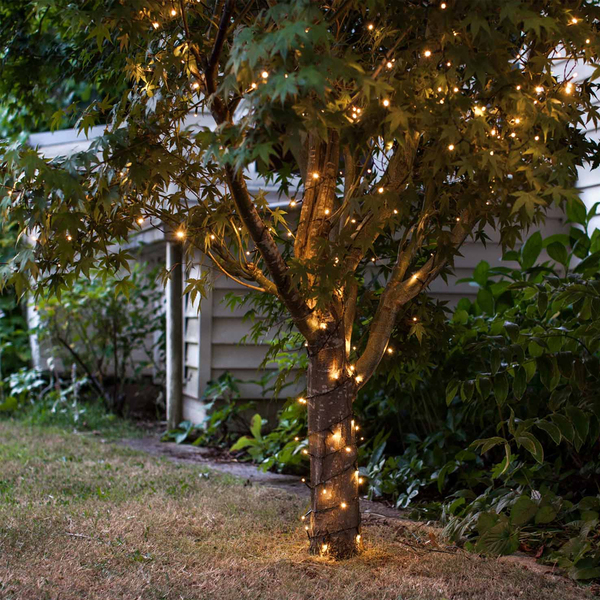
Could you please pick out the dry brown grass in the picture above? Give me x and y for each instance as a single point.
(82, 519)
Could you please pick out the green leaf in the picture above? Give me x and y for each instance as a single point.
(501, 388)
(451, 390)
(552, 430)
(485, 299)
(530, 369)
(531, 444)
(531, 250)
(11, 403)
(558, 252)
(500, 540)
(480, 273)
(585, 573)
(467, 389)
(256, 426)
(546, 368)
(542, 303)
(564, 360)
(546, 514)
(495, 360)
(520, 382)
(460, 316)
(512, 329)
(243, 442)
(580, 422)
(576, 211)
(484, 386)
(523, 510)
(566, 429)
(487, 443)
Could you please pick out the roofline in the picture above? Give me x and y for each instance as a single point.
(46, 139)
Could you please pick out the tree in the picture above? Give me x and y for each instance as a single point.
(397, 129)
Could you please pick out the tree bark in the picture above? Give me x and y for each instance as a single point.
(334, 518)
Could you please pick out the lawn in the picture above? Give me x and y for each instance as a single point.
(81, 517)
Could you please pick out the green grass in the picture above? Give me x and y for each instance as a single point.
(90, 416)
(83, 518)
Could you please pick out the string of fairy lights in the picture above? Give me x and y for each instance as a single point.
(335, 440)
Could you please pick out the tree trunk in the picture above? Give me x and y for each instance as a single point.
(334, 523)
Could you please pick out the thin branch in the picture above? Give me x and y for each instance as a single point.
(398, 292)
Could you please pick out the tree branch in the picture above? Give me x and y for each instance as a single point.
(399, 291)
(301, 314)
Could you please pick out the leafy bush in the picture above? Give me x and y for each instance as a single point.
(45, 399)
(280, 449)
(111, 344)
(533, 356)
(224, 420)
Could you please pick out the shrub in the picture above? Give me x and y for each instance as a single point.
(111, 344)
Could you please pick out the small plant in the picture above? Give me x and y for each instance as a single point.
(280, 449)
(224, 419)
(111, 344)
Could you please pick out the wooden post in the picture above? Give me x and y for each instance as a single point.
(174, 334)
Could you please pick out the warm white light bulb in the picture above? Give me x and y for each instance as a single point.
(427, 53)
(380, 190)
(264, 74)
(451, 147)
(180, 234)
(386, 102)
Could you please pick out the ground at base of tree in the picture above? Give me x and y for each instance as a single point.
(84, 519)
